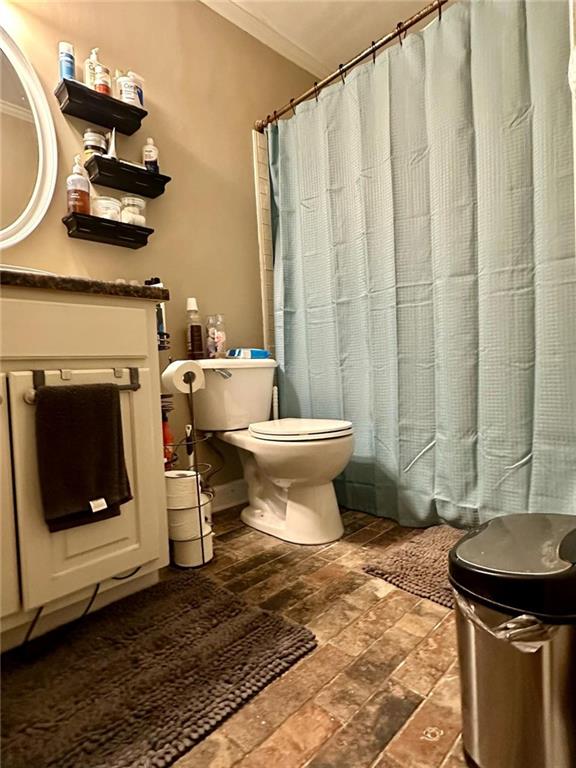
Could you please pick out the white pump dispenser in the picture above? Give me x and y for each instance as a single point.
(90, 68)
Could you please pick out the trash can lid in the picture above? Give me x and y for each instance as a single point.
(522, 563)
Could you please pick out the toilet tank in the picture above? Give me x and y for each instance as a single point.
(237, 393)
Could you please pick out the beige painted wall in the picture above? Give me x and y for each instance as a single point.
(206, 82)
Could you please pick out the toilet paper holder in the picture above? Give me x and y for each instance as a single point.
(39, 380)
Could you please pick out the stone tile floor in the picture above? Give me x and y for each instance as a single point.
(380, 691)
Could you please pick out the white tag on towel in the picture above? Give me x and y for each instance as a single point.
(98, 505)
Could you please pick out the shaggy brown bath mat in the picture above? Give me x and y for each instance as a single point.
(139, 683)
(419, 564)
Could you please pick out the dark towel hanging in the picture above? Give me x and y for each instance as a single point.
(80, 451)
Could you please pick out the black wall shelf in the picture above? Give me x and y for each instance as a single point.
(120, 175)
(84, 227)
(78, 100)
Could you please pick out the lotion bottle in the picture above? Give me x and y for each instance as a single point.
(150, 156)
(90, 68)
(78, 190)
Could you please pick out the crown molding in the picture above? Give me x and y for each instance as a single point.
(13, 110)
(234, 11)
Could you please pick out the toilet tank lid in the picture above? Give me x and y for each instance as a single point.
(238, 362)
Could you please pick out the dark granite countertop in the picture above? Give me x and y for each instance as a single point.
(81, 285)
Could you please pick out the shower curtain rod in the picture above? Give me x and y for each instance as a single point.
(401, 28)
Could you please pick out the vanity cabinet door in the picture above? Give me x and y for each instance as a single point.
(9, 567)
(57, 564)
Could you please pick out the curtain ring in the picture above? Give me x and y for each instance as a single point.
(275, 117)
(292, 106)
(316, 90)
(342, 75)
(268, 120)
(373, 52)
(400, 29)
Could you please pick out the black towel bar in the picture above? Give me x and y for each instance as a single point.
(39, 380)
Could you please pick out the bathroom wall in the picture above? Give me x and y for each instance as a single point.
(206, 82)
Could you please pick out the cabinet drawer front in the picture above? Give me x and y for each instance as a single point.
(56, 564)
(48, 329)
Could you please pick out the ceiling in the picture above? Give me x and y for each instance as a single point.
(317, 34)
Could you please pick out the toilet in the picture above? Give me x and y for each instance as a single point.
(288, 464)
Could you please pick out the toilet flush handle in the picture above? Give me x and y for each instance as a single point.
(226, 374)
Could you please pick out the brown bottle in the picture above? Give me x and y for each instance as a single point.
(77, 190)
(194, 340)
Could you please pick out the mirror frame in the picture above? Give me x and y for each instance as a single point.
(43, 190)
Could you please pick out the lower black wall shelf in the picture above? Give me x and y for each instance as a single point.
(99, 230)
(125, 176)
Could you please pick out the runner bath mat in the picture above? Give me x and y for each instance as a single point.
(419, 563)
(139, 683)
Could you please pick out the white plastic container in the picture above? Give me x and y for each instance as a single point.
(194, 552)
(90, 68)
(133, 211)
(106, 208)
(237, 400)
(150, 156)
(127, 90)
(184, 524)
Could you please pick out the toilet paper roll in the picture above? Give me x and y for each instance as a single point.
(173, 377)
(195, 552)
(184, 524)
(181, 489)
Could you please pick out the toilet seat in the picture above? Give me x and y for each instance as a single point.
(292, 430)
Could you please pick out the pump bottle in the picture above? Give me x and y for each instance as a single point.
(78, 190)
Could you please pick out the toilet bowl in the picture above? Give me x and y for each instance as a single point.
(288, 464)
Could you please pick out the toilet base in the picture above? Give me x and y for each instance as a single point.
(309, 515)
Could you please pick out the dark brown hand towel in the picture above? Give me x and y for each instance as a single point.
(80, 454)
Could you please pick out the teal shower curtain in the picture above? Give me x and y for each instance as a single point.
(425, 273)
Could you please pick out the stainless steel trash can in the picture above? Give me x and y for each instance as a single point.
(515, 587)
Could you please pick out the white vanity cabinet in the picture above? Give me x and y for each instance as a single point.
(79, 338)
(10, 601)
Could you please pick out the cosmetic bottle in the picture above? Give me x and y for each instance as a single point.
(66, 60)
(90, 68)
(129, 89)
(150, 156)
(138, 80)
(194, 331)
(78, 190)
(94, 144)
(102, 82)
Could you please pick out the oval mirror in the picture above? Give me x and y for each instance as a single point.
(27, 146)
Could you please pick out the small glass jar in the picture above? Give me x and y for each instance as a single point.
(106, 208)
(134, 211)
(94, 144)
